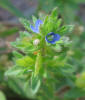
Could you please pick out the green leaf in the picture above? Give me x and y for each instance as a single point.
(58, 24)
(16, 71)
(66, 29)
(24, 34)
(20, 86)
(54, 12)
(35, 83)
(26, 23)
(34, 19)
(2, 96)
(25, 61)
(17, 54)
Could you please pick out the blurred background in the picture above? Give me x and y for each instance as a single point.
(71, 11)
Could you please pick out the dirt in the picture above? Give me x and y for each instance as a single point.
(27, 7)
(82, 12)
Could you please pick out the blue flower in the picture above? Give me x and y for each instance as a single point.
(37, 25)
(52, 37)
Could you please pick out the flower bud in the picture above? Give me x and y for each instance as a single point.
(36, 42)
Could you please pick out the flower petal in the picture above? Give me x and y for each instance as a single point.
(38, 22)
(57, 37)
(34, 29)
(52, 38)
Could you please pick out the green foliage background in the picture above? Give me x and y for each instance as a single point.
(73, 67)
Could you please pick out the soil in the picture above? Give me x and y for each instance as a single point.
(27, 7)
